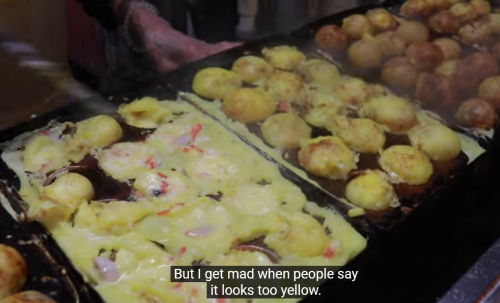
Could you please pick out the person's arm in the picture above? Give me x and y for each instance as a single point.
(167, 47)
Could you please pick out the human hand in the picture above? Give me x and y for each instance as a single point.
(169, 48)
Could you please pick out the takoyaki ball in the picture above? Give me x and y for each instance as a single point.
(444, 22)
(303, 237)
(353, 91)
(426, 56)
(144, 113)
(436, 141)
(359, 134)
(495, 50)
(464, 11)
(28, 297)
(482, 7)
(324, 105)
(394, 114)
(489, 90)
(447, 68)
(381, 20)
(99, 131)
(249, 105)
(493, 22)
(288, 87)
(405, 164)
(450, 48)
(390, 44)
(474, 69)
(399, 73)
(252, 69)
(416, 9)
(355, 26)
(331, 38)
(475, 33)
(215, 83)
(437, 91)
(477, 113)
(438, 5)
(285, 131)
(365, 53)
(42, 154)
(13, 272)
(412, 32)
(327, 157)
(169, 186)
(70, 189)
(283, 57)
(371, 190)
(318, 72)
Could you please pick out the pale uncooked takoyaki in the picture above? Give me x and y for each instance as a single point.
(285, 130)
(303, 237)
(359, 134)
(145, 113)
(124, 161)
(13, 272)
(327, 157)
(437, 141)
(70, 189)
(252, 69)
(169, 186)
(318, 72)
(394, 114)
(43, 154)
(405, 164)
(215, 83)
(371, 190)
(283, 57)
(249, 105)
(99, 131)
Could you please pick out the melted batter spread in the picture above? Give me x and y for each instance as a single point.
(125, 248)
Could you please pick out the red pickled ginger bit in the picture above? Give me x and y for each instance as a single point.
(44, 166)
(178, 285)
(283, 106)
(164, 186)
(150, 161)
(162, 175)
(168, 210)
(329, 253)
(194, 291)
(221, 300)
(192, 147)
(44, 133)
(195, 131)
(182, 251)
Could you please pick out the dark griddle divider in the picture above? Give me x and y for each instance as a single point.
(45, 272)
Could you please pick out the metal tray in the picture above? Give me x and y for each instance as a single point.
(412, 197)
(88, 108)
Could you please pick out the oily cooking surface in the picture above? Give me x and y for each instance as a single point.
(184, 191)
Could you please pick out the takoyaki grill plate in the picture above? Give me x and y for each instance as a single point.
(446, 174)
(95, 106)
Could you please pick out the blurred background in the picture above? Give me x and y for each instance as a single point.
(65, 33)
